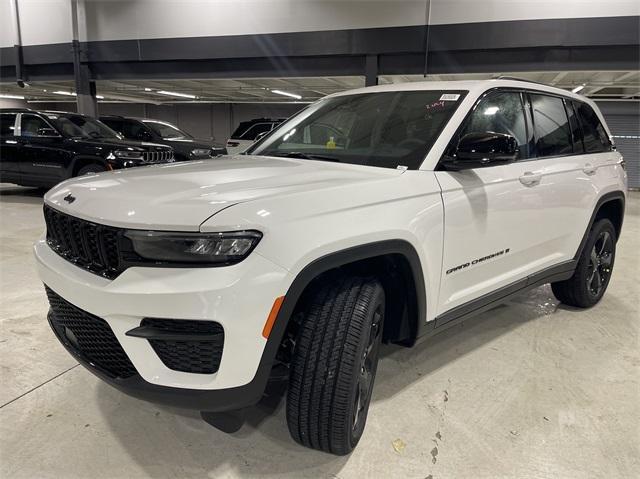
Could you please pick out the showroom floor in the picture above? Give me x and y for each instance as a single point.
(529, 389)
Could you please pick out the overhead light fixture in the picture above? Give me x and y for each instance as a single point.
(286, 93)
(66, 93)
(147, 89)
(173, 93)
(577, 89)
(99, 97)
(13, 97)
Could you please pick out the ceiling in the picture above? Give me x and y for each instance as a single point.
(618, 85)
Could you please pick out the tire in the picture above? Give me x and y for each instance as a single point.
(88, 169)
(330, 372)
(593, 273)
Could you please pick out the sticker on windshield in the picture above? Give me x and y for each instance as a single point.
(450, 97)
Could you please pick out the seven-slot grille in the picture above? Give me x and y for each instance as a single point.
(88, 337)
(160, 156)
(88, 245)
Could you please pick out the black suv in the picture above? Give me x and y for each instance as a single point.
(184, 145)
(42, 148)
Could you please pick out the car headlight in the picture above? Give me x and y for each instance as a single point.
(125, 155)
(197, 248)
(201, 152)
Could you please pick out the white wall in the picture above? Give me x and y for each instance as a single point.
(49, 21)
(9, 103)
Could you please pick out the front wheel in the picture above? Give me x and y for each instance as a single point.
(334, 364)
(91, 169)
(593, 273)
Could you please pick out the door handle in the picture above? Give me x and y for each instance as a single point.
(530, 178)
(589, 169)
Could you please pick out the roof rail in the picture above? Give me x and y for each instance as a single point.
(506, 77)
(17, 110)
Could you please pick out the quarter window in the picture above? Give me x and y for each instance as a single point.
(500, 113)
(553, 135)
(595, 136)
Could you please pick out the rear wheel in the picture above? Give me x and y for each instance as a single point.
(591, 277)
(334, 364)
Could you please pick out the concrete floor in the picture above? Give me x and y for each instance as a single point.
(530, 389)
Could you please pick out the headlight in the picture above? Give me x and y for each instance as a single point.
(199, 248)
(200, 152)
(125, 155)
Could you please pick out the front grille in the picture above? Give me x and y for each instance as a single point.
(88, 337)
(187, 346)
(161, 156)
(88, 245)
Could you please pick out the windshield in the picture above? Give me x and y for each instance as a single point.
(167, 131)
(79, 126)
(384, 129)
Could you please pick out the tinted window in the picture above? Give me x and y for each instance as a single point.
(595, 136)
(576, 131)
(81, 126)
(167, 131)
(500, 113)
(7, 124)
(30, 124)
(134, 130)
(551, 126)
(255, 130)
(115, 125)
(384, 129)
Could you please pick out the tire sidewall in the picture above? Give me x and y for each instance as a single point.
(583, 265)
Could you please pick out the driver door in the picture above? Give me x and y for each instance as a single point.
(495, 221)
(42, 155)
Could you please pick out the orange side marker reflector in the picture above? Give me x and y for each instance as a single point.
(268, 326)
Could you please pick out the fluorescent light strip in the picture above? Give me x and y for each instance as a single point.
(173, 93)
(577, 89)
(13, 97)
(286, 93)
(66, 93)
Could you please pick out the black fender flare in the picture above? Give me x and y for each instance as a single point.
(606, 198)
(86, 159)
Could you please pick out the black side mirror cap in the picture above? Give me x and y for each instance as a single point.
(477, 150)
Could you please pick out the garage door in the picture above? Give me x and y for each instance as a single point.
(626, 134)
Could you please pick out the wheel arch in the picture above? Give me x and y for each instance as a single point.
(79, 162)
(611, 206)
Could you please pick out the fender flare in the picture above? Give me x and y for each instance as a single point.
(88, 159)
(617, 195)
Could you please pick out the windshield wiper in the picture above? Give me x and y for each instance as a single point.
(305, 156)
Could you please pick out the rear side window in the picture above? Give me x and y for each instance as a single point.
(7, 124)
(551, 126)
(500, 113)
(595, 136)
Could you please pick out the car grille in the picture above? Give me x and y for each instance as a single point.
(88, 245)
(88, 337)
(161, 156)
(186, 345)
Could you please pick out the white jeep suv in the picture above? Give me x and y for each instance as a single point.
(382, 214)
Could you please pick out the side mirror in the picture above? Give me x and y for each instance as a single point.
(477, 150)
(48, 133)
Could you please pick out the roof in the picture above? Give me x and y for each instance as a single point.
(475, 87)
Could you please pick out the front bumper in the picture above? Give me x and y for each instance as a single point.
(238, 297)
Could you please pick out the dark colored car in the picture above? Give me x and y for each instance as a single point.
(250, 131)
(43, 148)
(184, 145)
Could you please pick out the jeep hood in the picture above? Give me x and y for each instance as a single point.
(181, 196)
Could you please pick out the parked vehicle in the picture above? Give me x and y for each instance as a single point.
(184, 145)
(42, 148)
(429, 203)
(248, 132)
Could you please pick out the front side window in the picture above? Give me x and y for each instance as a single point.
(385, 129)
(166, 131)
(7, 124)
(32, 125)
(595, 136)
(501, 112)
(552, 132)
